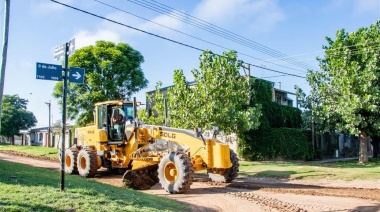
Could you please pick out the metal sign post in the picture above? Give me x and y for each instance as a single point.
(65, 78)
(53, 72)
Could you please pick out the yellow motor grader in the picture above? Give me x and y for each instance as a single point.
(148, 154)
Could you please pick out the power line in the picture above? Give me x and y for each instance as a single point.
(280, 72)
(273, 76)
(216, 30)
(338, 51)
(227, 32)
(171, 40)
(333, 49)
(108, 5)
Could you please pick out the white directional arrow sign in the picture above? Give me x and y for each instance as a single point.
(59, 52)
(76, 75)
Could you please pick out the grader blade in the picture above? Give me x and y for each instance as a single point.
(142, 178)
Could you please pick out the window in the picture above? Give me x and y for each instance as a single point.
(102, 117)
(117, 123)
(278, 99)
(40, 136)
(128, 111)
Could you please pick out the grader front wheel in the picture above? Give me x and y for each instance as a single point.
(87, 163)
(230, 173)
(175, 172)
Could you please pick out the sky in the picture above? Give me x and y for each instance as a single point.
(295, 29)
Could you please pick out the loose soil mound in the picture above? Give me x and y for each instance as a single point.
(23, 154)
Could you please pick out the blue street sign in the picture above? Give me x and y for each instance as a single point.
(46, 71)
(76, 75)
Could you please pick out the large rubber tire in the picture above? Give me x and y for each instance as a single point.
(71, 156)
(175, 172)
(87, 163)
(230, 174)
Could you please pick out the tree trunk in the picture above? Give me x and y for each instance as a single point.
(13, 140)
(363, 156)
(375, 144)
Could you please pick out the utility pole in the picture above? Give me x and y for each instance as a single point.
(49, 105)
(248, 76)
(249, 84)
(4, 54)
(312, 116)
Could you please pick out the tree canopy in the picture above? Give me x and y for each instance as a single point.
(218, 97)
(15, 116)
(113, 72)
(349, 84)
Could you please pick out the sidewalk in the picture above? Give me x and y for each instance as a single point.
(339, 159)
(336, 160)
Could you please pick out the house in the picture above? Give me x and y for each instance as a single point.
(278, 95)
(39, 137)
(282, 97)
(163, 90)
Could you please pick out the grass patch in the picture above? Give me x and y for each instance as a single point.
(25, 188)
(344, 170)
(50, 152)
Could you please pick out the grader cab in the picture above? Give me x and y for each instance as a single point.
(147, 154)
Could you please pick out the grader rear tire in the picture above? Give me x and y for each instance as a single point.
(87, 163)
(71, 161)
(175, 172)
(230, 173)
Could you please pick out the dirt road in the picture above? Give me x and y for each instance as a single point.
(256, 194)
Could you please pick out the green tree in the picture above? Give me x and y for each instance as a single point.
(15, 116)
(219, 97)
(304, 102)
(113, 72)
(349, 84)
(157, 102)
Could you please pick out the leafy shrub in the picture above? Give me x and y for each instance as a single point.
(269, 143)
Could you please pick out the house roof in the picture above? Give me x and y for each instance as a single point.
(263, 80)
(39, 129)
(167, 87)
(44, 129)
(193, 83)
(282, 91)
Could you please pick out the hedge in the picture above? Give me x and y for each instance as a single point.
(279, 134)
(270, 143)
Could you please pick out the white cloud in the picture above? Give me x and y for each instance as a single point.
(162, 20)
(152, 26)
(86, 38)
(358, 7)
(105, 31)
(117, 33)
(263, 15)
(334, 5)
(364, 6)
(50, 7)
